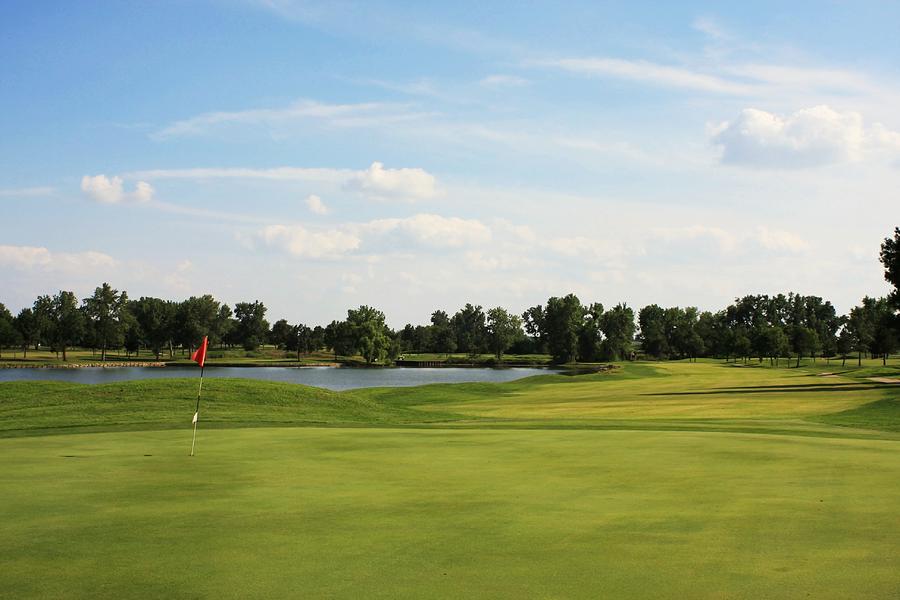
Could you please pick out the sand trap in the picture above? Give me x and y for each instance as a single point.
(884, 379)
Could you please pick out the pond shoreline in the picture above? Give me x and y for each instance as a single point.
(286, 365)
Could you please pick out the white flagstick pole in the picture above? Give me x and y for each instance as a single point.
(197, 412)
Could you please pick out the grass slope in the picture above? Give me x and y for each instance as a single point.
(682, 395)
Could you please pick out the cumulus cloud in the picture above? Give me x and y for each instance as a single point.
(315, 205)
(301, 242)
(404, 184)
(431, 231)
(726, 241)
(108, 190)
(589, 248)
(780, 241)
(419, 232)
(731, 242)
(26, 258)
(809, 137)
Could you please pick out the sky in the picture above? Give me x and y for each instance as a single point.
(416, 156)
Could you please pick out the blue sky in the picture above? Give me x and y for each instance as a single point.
(415, 156)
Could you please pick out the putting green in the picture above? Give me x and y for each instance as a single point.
(674, 480)
(307, 512)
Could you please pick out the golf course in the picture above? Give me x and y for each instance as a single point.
(676, 479)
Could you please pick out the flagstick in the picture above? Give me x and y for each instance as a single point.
(197, 412)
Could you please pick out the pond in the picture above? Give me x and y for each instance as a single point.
(326, 377)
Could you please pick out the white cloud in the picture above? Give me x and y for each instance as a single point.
(336, 114)
(725, 240)
(809, 137)
(376, 182)
(586, 248)
(394, 236)
(431, 231)
(650, 72)
(730, 242)
(315, 205)
(301, 242)
(28, 258)
(404, 184)
(111, 190)
(315, 175)
(780, 241)
(26, 192)
(715, 74)
(498, 81)
(710, 27)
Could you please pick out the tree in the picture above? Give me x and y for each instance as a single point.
(443, 340)
(64, 322)
(28, 327)
(861, 327)
(590, 336)
(316, 338)
(890, 258)
(197, 317)
(9, 335)
(469, 327)
(134, 335)
(533, 321)
(370, 335)
(222, 326)
(502, 330)
(617, 325)
(652, 321)
(805, 341)
(280, 334)
(156, 319)
(296, 339)
(562, 324)
(337, 336)
(105, 310)
(884, 320)
(844, 345)
(741, 344)
(252, 327)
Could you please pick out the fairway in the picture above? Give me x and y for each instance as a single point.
(673, 480)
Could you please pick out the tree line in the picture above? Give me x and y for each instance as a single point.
(764, 327)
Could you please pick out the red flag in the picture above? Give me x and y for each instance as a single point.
(199, 355)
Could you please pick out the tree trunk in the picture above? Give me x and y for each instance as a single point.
(884, 359)
(859, 360)
(798, 360)
(844, 361)
(64, 353)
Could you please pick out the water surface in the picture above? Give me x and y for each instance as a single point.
(326, 377)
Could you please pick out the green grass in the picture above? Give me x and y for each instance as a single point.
(660, 480)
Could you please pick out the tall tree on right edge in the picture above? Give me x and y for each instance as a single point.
(890, 258)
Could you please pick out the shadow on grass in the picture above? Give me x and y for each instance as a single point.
(775, 389)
